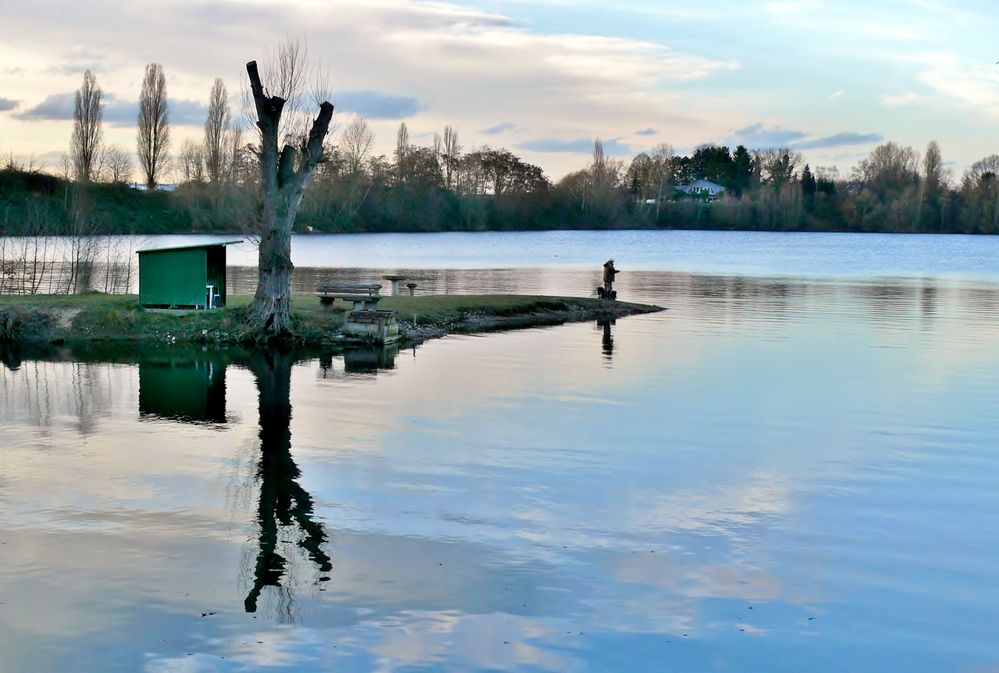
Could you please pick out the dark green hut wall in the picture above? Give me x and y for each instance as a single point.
(173, 277)
(216, 272)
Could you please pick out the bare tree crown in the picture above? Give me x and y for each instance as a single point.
(88, 113)
(153, 137)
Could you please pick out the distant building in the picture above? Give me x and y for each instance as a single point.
(141, 187)
(703, 189)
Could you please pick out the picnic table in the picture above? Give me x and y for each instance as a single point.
(363, 297)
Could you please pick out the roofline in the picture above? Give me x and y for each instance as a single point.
(191, 247)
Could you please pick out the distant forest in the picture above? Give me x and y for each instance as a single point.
(428, 189)
(446, 187)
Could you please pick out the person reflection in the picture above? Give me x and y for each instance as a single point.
(283, 501)
(928, 303)
(607, 341)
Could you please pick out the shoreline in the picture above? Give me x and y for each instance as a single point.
(117, 319)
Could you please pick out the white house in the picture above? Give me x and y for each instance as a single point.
(704, 189)
(141, 187)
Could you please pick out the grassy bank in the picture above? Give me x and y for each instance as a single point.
(95, 317)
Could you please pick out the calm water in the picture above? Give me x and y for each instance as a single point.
(788, 473)
(523, 261)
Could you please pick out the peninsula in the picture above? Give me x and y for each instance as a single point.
(98, 317)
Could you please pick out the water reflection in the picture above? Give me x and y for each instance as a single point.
(187, 387)
(283, 503)
(361, 360)
(10, 356)
(755, 482)
(607, 338)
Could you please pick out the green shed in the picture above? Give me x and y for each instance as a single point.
(190, 276)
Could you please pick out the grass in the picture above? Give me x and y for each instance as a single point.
(101, 317)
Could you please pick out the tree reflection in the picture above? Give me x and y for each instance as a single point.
(283, 502)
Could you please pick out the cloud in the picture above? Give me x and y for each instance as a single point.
(899, 100)
(839, 140)
(124, 113)
(7, 104)
(756, 136)
(182, 112)
(376, 105)
(57, 106)
(837, 94)
(556, 82)
(974, 82)
(77, 61)
(647, 132)
(577, 146)
(498, 129)
(74, 68)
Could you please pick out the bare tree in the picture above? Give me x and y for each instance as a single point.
(980, 190)
(986, 170)
(287, 74)
(661, 171)
(402, 153)
(934, 173)
(284, 178)
(238, 160)
(450, 157)
(577, 185)
(218, 126)
(192, 162)
(934, 177)
(117, 164)
(777, 165)
(153, 140)
(356, 142)
(605, 173)
(88, 112)
(889, 168)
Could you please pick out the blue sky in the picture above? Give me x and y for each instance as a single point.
(543, 78)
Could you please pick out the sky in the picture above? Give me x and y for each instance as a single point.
(543, 78)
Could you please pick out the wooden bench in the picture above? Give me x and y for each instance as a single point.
(364, 297)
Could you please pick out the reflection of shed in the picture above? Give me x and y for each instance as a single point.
(190, 276)
(191, 390)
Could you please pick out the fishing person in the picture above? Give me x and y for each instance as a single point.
(607, 291)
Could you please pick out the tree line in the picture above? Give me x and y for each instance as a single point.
(446, 186)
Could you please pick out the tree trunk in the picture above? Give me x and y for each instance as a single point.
(282, 187)
(272, 301)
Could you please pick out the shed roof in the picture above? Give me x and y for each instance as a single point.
(214, 244)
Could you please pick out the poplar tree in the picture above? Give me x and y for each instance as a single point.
(153, 138)
(88, 113)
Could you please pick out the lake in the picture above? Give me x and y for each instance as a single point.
(551, 257)
(794, 468)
